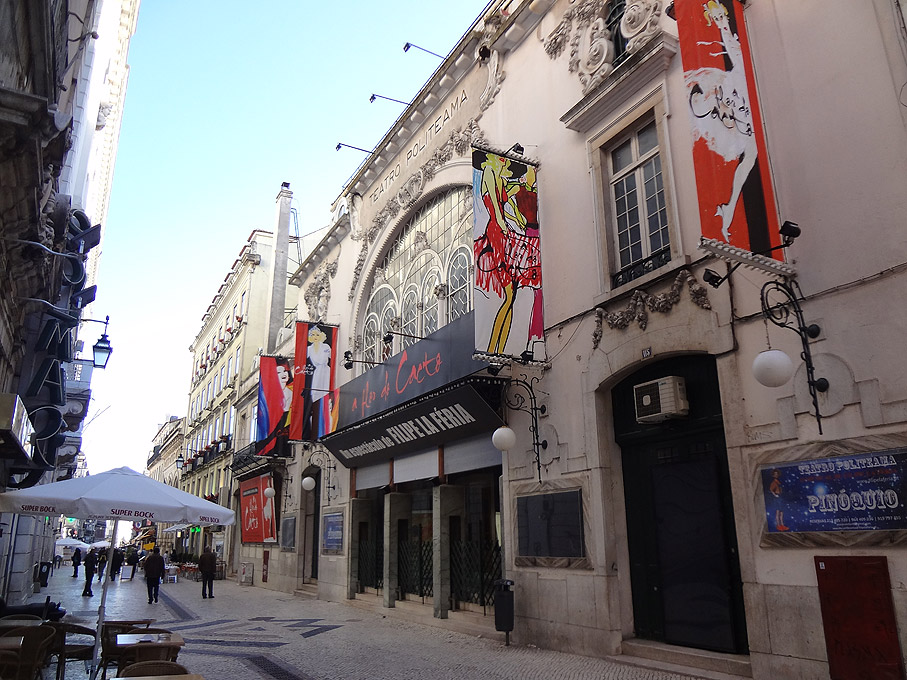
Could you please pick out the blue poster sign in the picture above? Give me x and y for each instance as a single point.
(332, 536)
(846, 493)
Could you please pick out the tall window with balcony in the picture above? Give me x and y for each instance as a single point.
(424, 276)
(639, 215)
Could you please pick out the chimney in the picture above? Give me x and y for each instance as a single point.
(278, 298)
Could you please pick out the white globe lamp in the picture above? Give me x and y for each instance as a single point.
(503, 438)
(773, 368)
(269, 492)
(308, 483)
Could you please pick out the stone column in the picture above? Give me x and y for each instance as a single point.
(447, 501)
(277, 296)
(397, 506)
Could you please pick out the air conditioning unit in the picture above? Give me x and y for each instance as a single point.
(659, 400)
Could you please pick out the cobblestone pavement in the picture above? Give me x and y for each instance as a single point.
(250, 632)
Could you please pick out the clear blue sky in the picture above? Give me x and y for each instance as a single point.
(225, 101)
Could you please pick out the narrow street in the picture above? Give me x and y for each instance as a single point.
(250, 632)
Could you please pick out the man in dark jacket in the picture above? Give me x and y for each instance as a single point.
(154, 571)
(91, 562)
(76, 561)
(132, 560)
(207, 565)
(116, 564)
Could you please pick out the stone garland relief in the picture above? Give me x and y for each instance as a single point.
(584, 28)
(458, 144)
(641, 303)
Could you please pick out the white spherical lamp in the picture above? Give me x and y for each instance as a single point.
(269, 492)
(308, 483)
(503, 438)
(773, 368)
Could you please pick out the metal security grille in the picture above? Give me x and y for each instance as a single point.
(474, 567)
(414, 568)
(371, 562)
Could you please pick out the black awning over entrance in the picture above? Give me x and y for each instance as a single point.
(444, 416)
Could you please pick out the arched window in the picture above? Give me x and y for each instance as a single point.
(433, 248)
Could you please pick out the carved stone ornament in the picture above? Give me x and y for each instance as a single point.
(441, 291)
(641, 303)
(640, 23)
(584, 28)
(495, 78)
(458, 143)
(318, 293)
(420, 242)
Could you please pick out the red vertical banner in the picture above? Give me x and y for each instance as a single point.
(275, 399)
(314, 383)
(259, 522)
(733, 181)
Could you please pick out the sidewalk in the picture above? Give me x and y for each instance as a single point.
(250, 632)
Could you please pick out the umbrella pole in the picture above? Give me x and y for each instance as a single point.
(95, 666)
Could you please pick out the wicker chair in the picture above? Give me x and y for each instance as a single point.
(21, 617)
(79, 650)
(110, 654)
(143, 668)
(36, 640)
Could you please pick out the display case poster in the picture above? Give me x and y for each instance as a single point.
(259, 523)
(846, 493)
(332, 533)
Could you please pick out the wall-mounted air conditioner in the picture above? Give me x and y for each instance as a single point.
(659, 400)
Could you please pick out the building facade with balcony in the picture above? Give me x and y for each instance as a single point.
(665, 497)
(59, 77)
(164, 464)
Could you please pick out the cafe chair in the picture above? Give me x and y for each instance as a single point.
(21, 617)
(146, 668)
(36, 640)
(110, 654)
(172, 575)
(65, 648)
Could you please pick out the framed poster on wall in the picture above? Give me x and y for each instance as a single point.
(332, 533)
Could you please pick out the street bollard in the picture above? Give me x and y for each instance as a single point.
(503, 608)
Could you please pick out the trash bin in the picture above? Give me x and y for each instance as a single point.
(503, 607)
(44, 573)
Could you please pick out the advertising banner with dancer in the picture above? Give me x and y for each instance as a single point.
(508, 264)
(275, 400)
(258, 523)
(314, 399)
(733, 180)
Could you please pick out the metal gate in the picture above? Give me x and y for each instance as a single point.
(414, 568)
(474, 567)
(371, 564)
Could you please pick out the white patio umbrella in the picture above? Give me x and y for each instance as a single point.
(72, 543)
(100, 544)
(120, 494)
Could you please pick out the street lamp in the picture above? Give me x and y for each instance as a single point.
(180, 461)
(101, 350)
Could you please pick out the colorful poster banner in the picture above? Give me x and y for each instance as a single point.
(733, 181)
(314, 396)
(275, 400)
(259, 523)
(846, 493)
(508, 263)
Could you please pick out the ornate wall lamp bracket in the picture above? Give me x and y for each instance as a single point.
(781, 306)
(519, 395)
(322, 460)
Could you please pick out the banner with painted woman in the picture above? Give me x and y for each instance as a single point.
(508, 264)
(733, 179)
(275, 400)
(314, 402)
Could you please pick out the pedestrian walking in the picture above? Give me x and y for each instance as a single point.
(102, 562)
(116, 564)
(207, 566)
(91, 561)
(154, 571)
(76, 561)
(132, 560)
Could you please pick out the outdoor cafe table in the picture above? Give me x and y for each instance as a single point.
(11, 643)
(20, 623)
(125, 640)
(184, 676)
